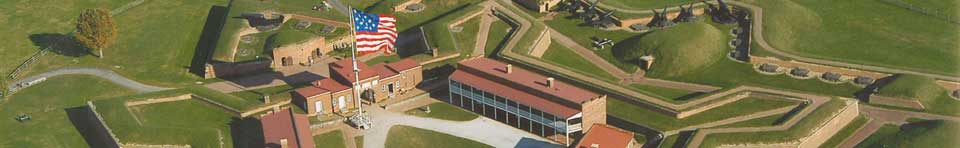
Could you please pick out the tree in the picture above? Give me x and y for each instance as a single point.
(95, 29)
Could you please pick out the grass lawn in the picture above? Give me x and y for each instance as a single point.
(663, 122)
(928, 134)
(565, 57)
(936, 99)
(758, 122)
(155, 43)
(401, 136)
(666, 94)
(359, 140)
(466, 39)
(332, 139)
(53, 105)
(846, 132)
(801, 129)
(645, 4)
(866, 32)
(499, 32)
(669, 141)
(235, 23)
(679, 50)
(441, 110)
(264, 42)
(182, 122)
(576, 29)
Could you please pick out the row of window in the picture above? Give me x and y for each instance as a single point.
(507, 105)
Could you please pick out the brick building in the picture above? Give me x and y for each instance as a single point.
(301, 53)
(377, 83)
(606, 136)
(285, 129)
(526, 100)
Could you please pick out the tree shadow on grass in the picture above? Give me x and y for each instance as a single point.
(89, 127)
(247, 133)
(59, 43)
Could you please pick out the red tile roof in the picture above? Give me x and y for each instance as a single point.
(384, 71)
(606, 136)
(326, 85)
(287, 125)
(344, 68)
(524, 79)
(519, 96)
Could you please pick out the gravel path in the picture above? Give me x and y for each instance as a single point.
(94, 71)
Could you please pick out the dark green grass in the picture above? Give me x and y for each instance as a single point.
(401, 136)
(582, 34)
(51, 104)
(332, 139)
(466, 39)
(498, 34)
(440, 110)
(802, 128)
(771, 120)
(869, 32)
(663, 122)
(846, 132)
(182, 122)
(666, 94)
(935, 98)
(565, 57)
(928, 134)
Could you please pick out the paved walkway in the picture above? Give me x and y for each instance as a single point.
(485, 22)
(758, 36)
(93, 71)
(587, 53)
(481, 129)
(883, 116)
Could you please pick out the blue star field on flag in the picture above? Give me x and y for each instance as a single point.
(365, 22)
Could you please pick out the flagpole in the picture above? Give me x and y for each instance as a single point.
(356, 71)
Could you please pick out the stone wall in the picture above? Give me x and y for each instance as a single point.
(735, 98)
(223, 69)
(301, 53)
(541, 45)
(158, 100)
(834, 125)
(594, 112)
(756, 60)
(625, 23)
(894, 101)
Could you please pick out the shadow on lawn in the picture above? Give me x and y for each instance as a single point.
(246, 133)
(203, 52)
(89, 127)
(62, 44)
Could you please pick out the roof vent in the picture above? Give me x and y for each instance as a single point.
(316, 83)
(550, 82)
(509, 68)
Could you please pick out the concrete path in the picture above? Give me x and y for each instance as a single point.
(482, 130)
(93, 71)
(758, 36)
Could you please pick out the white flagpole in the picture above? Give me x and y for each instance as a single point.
(356, 70)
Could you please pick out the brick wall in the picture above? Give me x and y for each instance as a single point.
(834, 125)
(594, 111)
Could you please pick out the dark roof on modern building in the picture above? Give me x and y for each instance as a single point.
(325, 85)
(521, 85)
(606, 137)
(344, 68)
(286, 125)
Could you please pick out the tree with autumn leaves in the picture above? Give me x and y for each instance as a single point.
(96, 30)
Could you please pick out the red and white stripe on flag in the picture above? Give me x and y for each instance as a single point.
(384, 39)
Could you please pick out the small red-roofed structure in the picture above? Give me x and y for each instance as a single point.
(285, 129)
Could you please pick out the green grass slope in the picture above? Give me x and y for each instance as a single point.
(52, 105)
(935, 98)
(870, 32)
(678, 50)
(401, 136)
(927, 134)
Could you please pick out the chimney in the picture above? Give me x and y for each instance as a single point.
(550, 82)
(594, 145)
(316, 83)
(283, 143)
(509, 68)
(266, 99)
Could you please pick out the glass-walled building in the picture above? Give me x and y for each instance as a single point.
(526, 100)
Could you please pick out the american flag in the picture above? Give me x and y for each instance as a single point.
(374, 32)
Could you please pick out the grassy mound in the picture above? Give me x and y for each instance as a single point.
(911, 86)
(678, 50)
(932, 134)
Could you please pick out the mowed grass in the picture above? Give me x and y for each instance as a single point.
(444, 111)
(466, 39)
(801, 129)
(229, 35)
(401, 136)
(664, 122)
(927, 134)
(771, 120)
(187, 122)
(53, 110)
(666, 94)
(155, 43)
(332, 139)
(934, 98)
(499, 32)
(645, 4)
(868, 32)
(575, 28)
(678, 50)
(565, 57)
